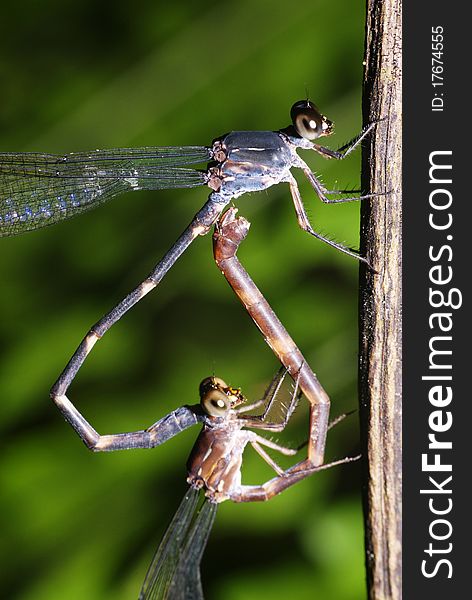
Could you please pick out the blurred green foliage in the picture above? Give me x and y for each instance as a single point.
(100, 74)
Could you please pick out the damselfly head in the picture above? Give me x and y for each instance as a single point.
(217, 398)
(308, 120)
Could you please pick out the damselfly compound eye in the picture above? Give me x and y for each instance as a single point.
(308, 121)
(215, 403)
(211, 383)
(217, 398)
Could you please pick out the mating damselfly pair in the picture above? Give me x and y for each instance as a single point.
(40, 189)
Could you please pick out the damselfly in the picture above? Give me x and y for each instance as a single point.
(41, 189)
(214, 467)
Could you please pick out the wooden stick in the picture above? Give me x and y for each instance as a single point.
(380, 302)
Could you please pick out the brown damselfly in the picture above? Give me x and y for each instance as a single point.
(213, 469)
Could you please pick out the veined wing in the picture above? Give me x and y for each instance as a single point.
(41, 189)
(174, 573)
(186, 582)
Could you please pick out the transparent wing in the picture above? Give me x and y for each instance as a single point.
(186, 583)
(174, 573)
(41, 189)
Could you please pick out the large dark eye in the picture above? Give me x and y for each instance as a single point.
(210, 383)
(308, 121)
(213, 397)
(215, 403)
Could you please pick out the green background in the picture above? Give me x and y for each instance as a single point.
(86, 75)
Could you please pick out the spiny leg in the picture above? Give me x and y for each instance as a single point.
(256, 444)
(345, 150)
(323, 193)
(200, 225)
(269, 489)
(274, 446)
(338, 154)
(273, 394)
(331, 424)
(305, 224)
(259, 421)
(269, 394)
(290, 451)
